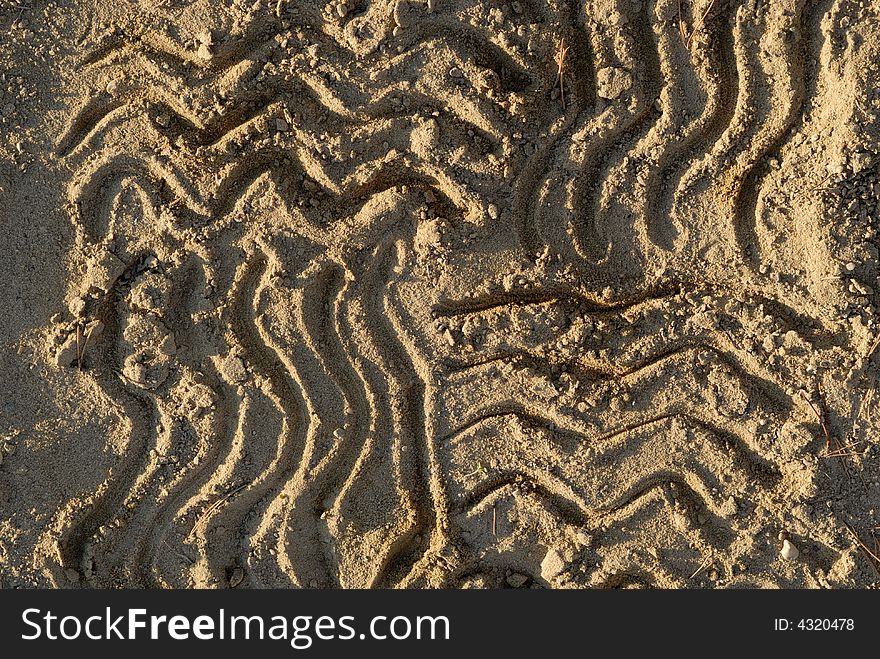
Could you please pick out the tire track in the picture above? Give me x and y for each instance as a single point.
(347, 140)
(293, 441)
(396, 391)
(534, 172)
(746, 197)
(142, 417)
(304, 356)
(718, 113)
(198, 472)
(590, 238)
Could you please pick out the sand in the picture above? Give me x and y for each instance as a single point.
(439, 293)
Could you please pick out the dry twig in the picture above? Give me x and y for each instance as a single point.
(82, 354)
(78, 348)
(697, 25)
(872, 555)
(681, 24)
(821, 418)
(215, 506)
(702, 567)
(559, 58)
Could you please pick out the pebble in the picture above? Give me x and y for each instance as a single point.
(516, 580)
(492, 209)
(163, 120)
(789, 552)
(236, 577)
(552, 565)
(204, 52)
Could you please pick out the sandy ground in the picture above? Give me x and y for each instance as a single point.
(440, 293)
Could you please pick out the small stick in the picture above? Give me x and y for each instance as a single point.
(840, 454)
(821, 419)
(560, 63)
(837, 445)
(703, 565)
(841, 450)
(78, 352)
(214, 506)
(493, 520)
(698, 24)
(861, 544)
(817, 188)
(85, 345)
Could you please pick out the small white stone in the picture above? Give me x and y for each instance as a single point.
(552, 565)
(789, 551)
(204, 52)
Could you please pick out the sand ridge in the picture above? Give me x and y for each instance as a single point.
(369, 295)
